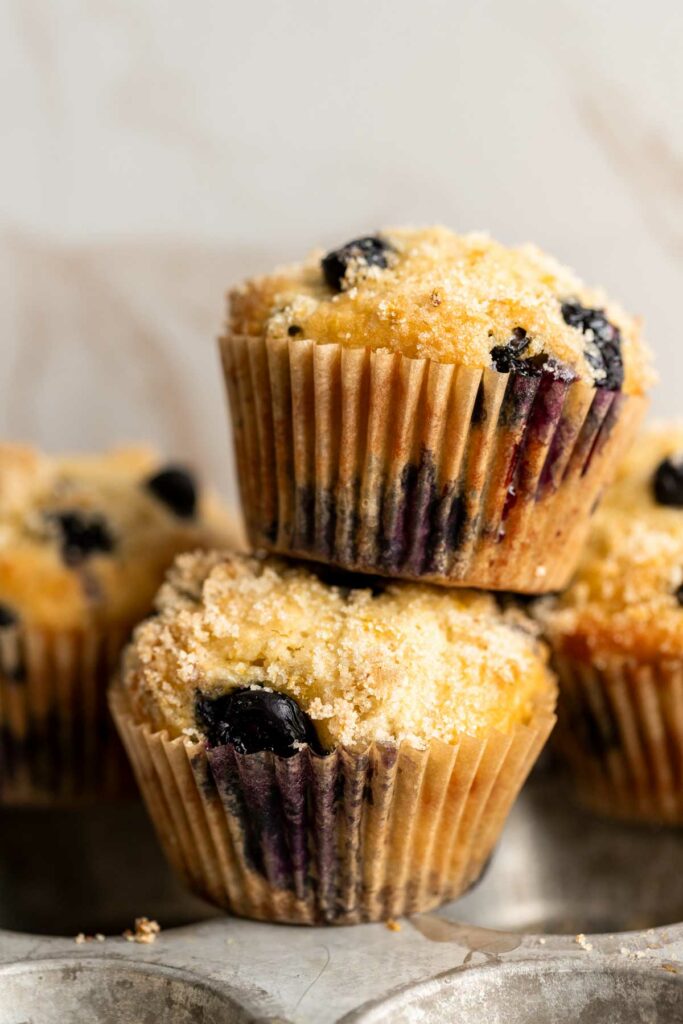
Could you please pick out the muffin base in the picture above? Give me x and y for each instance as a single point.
(379, 463)
(620, 730)
(58, 744)
(354, 836)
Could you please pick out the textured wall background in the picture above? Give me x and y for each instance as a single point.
(155, 150)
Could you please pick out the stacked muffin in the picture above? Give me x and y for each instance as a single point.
(334, 728)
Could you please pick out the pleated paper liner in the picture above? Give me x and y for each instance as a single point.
(58, 744)
(354, 836)
(406, 467)
(620, 730)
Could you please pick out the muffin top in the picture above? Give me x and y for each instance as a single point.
(627, 595)
(242, 645)
(430, 293)
(86, 539)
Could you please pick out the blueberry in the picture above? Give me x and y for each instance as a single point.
(605, 353)
(667, 482)
(293, 330)
(509, 358)
(175, 487)
(8, 617)
(82, 534)
(255, 720)
(371, 250)
(679, 595)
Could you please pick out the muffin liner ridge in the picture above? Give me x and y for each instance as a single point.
(620, 730)
(381, 463)
(353, 836)
(57, 741)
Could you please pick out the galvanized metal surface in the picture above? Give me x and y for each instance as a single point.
(557, 871)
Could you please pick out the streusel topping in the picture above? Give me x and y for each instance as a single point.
(627, 595)
(381, 661)
(451, 298)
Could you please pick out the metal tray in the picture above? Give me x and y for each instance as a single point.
(511, 950)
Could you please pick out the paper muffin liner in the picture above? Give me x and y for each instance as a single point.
(620, 730)
(379, 463)
(353, 836)
(58, 744)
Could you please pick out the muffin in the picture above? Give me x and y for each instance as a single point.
(430, 406)
(617, 639)
(84, 544)
(317, 747)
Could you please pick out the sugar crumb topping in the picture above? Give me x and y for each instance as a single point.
(623, 598)
(442, 296)
(414, 663)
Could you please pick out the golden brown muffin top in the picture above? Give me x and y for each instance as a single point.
(366, 660)
(626, 598)
(86, 539)
(431, 293)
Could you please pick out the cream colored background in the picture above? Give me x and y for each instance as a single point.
(155, 150)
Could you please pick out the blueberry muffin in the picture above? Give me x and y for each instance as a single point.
(316, 746)
(617, 638)
(84, 544)
(431, 406)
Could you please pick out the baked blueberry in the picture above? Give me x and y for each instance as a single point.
(176, 488)
(7, 616)
(82, 534)
(679, 595)
(510, 358)
(293, 330)
(605, 352)
(667, 482)
(256, 720)
(371, 250)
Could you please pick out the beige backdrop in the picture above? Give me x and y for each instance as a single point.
(155, 150)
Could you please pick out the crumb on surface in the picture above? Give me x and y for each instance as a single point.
(581, 941)
(145, 931)
(393, 926)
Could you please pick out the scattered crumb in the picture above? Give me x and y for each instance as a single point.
(82, 938)
(541, 942)
(670, 968)
(580, 940)
(145, 932)
(393, 926)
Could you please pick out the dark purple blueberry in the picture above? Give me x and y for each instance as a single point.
(293, 330)
(605, 352)
(8, 617)
(175, 487)
(256, 720)
(371, 250)
(679, 595)
(667, 482)
(82, 534)
(346, 582)
(509, 358)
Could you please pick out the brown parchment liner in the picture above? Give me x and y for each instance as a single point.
(406, 467)
(354, 836)
(620, 731)
(58, 744)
